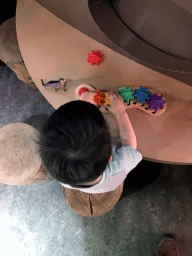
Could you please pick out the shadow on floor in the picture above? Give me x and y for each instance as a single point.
(36, 121)
(144, 174)
(167, 176)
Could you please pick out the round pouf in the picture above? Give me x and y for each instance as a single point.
(92, 205)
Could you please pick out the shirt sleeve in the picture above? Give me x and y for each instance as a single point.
(125, 157)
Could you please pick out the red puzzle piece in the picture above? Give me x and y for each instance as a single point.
(83, 89)
(95, 57)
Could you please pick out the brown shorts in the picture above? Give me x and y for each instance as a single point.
(92, 205)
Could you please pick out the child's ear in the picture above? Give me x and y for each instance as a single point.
(110, 158)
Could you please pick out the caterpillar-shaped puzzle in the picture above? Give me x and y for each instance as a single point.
(133, 97)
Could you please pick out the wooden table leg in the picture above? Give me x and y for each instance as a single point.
(10, 53)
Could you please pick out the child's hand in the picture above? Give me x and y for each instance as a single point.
(117, 105)
(89, 97)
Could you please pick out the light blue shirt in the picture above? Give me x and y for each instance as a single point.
(124, 159)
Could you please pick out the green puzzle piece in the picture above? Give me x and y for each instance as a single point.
(126, 93)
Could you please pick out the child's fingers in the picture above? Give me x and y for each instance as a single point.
(89, 97)
(115, 94)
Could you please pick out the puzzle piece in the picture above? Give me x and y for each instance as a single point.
(156, 102)
(107, 100)
(99, 98)
(83, 89)
(145, 90)
(95, 57)
(126, 93)
(142, 94)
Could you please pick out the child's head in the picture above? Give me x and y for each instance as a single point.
(75, 143)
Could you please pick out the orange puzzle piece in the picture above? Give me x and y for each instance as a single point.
(99, 98)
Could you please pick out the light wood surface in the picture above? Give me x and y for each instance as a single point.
(52, 49)
(42, 176)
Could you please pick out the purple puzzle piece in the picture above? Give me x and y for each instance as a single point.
(156, 101)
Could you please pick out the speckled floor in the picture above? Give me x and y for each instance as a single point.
(35, 219)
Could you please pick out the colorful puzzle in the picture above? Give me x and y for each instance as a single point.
(140, 95)
(143, 95)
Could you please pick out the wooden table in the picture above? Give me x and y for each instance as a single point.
(52, 49)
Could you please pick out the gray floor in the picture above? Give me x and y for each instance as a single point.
(35, 220)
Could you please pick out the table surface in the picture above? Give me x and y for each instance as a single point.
(52, 49)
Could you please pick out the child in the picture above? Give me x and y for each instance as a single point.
(75, 146)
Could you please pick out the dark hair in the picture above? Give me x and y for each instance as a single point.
(75, 143)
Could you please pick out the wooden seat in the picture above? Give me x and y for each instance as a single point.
(92, 205)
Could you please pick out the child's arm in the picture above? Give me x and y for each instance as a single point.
(127, 134)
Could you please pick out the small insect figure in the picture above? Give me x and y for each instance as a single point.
(56, 85)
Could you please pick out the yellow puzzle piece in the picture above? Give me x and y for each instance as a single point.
(107, 100)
